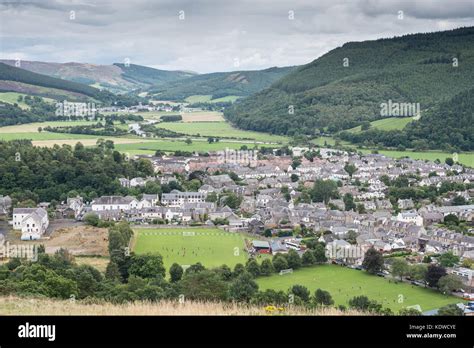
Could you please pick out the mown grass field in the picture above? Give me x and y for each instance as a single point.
(185, 246)
(344, 283)
(390, 123)
(221, 129)
(169, 145)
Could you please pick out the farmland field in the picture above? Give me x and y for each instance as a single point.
(202, 116)
(390, 123)
(221, 129)
(344, 283)
(200, 98)
(185, 246)
(168, 145)
(12, 98)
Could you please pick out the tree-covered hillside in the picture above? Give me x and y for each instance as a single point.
(143, 75)
(221, 84)
(347, 86)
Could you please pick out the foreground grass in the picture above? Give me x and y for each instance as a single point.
(344, 283)
(40, 306)
(210, 246)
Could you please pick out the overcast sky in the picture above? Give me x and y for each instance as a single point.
(210, 35)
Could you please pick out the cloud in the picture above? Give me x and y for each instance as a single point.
(210, 35)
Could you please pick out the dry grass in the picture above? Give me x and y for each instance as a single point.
(79, 240)
(202, 116)
(34, 306)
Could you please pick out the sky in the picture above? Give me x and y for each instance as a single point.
(211, 35)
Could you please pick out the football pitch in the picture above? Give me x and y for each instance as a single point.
(344, 283)
(186, 246)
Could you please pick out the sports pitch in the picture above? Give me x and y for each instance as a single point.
(344, 283)
(185, 246)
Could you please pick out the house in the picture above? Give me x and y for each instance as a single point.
(219, 181)
(262, 247)
(114, 203)
(405, 204)
(32, 222)
(177, 198)
(410, 216)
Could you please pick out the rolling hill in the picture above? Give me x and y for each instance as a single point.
(220, 84)
(117, 78)
(347, 85)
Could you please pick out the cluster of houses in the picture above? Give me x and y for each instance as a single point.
(408, 226)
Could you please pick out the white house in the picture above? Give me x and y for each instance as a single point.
(177, 198)
(114, 203)
(32, 222)
(410, 216)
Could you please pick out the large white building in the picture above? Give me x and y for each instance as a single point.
(114, 203)
(177, 198)
(32, 222)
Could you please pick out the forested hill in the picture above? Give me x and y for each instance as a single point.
(221, 84)
(329, 95)
(11, 73)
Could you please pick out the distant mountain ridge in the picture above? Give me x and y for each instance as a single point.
(117, 78)
(221, 84)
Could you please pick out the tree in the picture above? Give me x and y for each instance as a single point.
(323, 190)
(300, 292)
(412, 312)
(350, 169)
(188, 141)
(450, 310)
(351, 237)
(243, 288)
(91, 219)
(238, 270)
(349, 202)
(400, 268)
(294, 178)
(266, 268)
(448, 259)
(176, 272)
(195, 268)
(253, 267)
(204, 286)
(449, 161)
(112, 271)
(433, 275)
(147, 266)
(459, 200)
(308, 258)
(323, 298)
(449, 283)
(418, 272)
(293, 259)
(373, 261)
(279, 262)
(320, 254)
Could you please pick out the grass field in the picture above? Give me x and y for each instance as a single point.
(168, 145)
(203, 116)
(344, 283)
(210, 246)
(390, 123)
(222, 129)
(33, 127)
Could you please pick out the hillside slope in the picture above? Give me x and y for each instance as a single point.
(116, 78)
(221, 84)
(329, 95)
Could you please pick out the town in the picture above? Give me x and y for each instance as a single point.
(347, 201)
